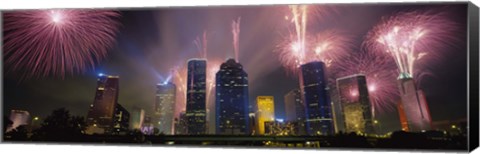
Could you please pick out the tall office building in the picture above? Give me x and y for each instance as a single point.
(414, 105)
(121, 120)
(196, 96)
(355, 104)
(317, 100)
(231, 101)
(101, 114)
(295, 110)
(265, 112)
(19, 118)
(165, 107)
(136, 118)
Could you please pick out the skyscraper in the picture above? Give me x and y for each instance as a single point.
(295, 110)
(355, 104)
(317, 100)
(414, 105)
(265, 112)
(101, 113)
(165, 107)
(196, 96)
(19, 118)
(121, 120)
(231, 101)
(136, 118)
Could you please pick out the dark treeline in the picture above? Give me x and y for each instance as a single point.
(60, 126)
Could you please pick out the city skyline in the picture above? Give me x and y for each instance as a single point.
(264, 79)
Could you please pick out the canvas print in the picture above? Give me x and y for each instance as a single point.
(373, 76)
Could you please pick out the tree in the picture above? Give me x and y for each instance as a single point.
(18, 134)
(60, 126)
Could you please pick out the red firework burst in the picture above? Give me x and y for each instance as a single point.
(56, 42)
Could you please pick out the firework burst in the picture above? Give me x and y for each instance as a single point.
(326, 46)
(412, 38)
(56, 42)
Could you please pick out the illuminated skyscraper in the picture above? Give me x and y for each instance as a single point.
(295, 110)
(317, 100)
(165, 107)
(414, 105)
(265, 112)
(231, 101)
(136, 118)
(196, 96)
(101, 114)
(355, 104)
(19, 118)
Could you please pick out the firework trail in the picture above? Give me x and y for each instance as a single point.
(236, 33)
(202, 44)
(299, 18)
(56, 42)
(298, 47)
(412, 38)
(379, 71)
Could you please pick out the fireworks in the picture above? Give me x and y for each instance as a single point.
(236, 33)
(299, 48)
(326, 46)
(411, 37)
(202, 44)
(379, 71)
(56, 42)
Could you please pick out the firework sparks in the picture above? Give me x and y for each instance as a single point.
(379, 71)
(411, 37)
(326, 46)
(202, 44)
(57, 42)
(299, 18)
(236, 33)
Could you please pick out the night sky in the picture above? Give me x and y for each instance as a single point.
(151, 41)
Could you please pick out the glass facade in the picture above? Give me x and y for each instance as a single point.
(231, 101)
(355, 104)
(319, 120)
(196, 96)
